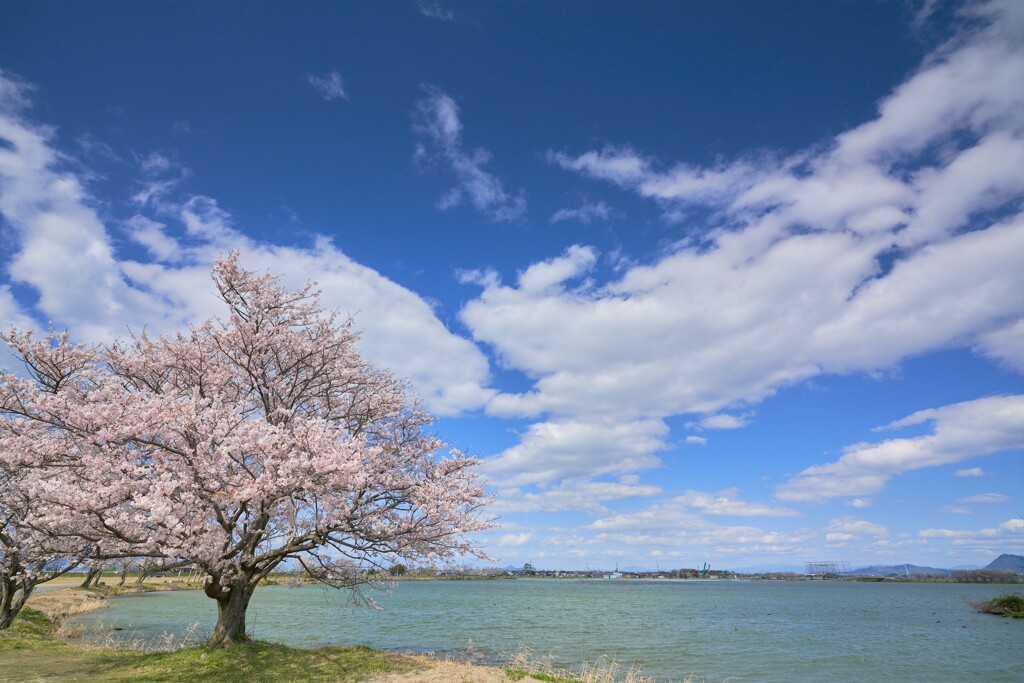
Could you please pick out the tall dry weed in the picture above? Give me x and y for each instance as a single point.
(603, 670)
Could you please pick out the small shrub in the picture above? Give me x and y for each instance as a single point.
(1009, 605)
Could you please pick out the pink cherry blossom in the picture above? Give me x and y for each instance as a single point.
(246, 441)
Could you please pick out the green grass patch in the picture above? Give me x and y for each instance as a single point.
(31, 622)
(29, 653)
(258, 661)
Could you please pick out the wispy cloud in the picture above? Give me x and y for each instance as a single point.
(330, 86)
(985, 498)
(972, 472)
(435, 10)
(436, 121)
(961, 431)
(584, 214)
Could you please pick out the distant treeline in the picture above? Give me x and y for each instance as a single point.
(986, 576)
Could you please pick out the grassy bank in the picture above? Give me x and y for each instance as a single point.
(33, 649)
(33, 657)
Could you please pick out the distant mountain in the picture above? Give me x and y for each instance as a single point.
(899, 570)
(1008, 563)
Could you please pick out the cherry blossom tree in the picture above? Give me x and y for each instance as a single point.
(30, 553)
(247, 441)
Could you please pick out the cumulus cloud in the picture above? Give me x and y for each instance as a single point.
(63, 251)
(436, 122)
(330, 86)
(960, 431)
(696, 440)
(565, 449)
(898, 237)
(61, 248)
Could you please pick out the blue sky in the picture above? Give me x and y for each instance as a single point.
(737, 283)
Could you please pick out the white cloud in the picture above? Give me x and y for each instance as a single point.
(672, 524)
(727, 503)
(584, 214)
(961, 431)
(160, 175)
(515, 540)
(436, 121)
(972, 472)
(573, 494)
(696, 440)
(899, 237)
(330, 86)
(64, 252)
(155, 163)
(722, 421)
(150, 234)
(709, 329)
(851, 528)
(1009, 536)
(985, 498)
(860, 503)
(630, 169)
(1005, 345)
(565, 449)
(62, 248)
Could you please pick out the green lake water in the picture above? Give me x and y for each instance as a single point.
(753, 631)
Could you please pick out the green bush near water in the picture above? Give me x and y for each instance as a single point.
(1009, 605)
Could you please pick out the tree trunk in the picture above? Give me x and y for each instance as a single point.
(231, 606)
(142, 575)
(6, 599)
(124, 575)
(9, 604)
(89, 576)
